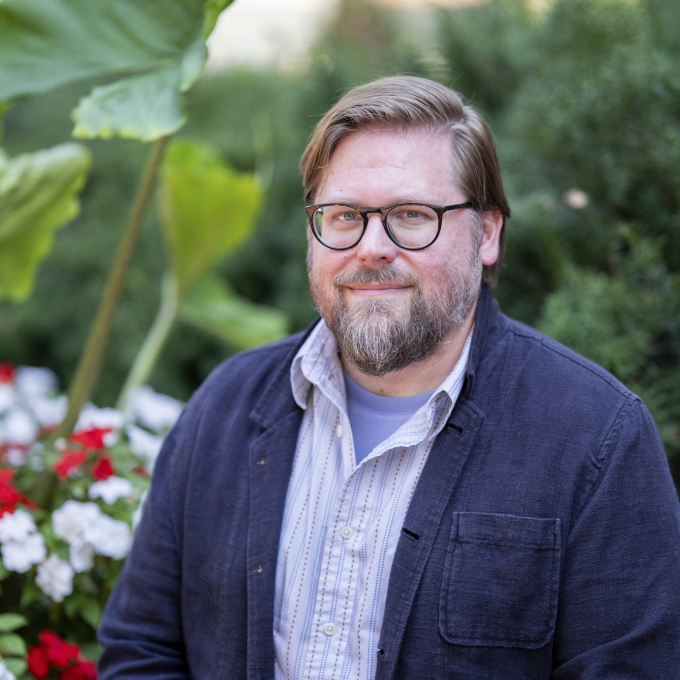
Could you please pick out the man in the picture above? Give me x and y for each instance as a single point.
(418, 486)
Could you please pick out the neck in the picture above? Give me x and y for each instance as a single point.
(419, 377)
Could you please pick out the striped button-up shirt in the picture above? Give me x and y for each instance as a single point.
(342, 521)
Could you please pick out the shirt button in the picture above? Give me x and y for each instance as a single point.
(338, 429)
(346, 532)
(329, 629)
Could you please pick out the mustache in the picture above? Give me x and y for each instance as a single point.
(384, 274)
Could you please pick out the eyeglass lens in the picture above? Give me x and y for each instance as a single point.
(340, 226)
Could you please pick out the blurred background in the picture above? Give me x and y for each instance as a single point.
(584, 100)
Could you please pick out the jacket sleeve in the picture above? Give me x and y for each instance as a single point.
(141, 631)
(619, 600)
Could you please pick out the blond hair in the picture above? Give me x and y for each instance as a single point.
(406, 103)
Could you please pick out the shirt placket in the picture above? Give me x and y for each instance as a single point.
(336, 590)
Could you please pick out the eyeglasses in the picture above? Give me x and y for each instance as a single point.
(412, 226)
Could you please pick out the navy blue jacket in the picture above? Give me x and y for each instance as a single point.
(542, 541)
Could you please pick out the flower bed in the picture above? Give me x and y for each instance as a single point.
(68, 508)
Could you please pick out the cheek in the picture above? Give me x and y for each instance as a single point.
(320, 274)
(325, 264)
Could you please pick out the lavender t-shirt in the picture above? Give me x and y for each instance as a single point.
(373, 418)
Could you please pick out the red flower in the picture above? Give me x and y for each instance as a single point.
(83, 670)
(103, 468)
(7, 372)
(92, 439)
(38, 663)
(54, 651)
(9, 494)
(59, 652)
(68, 462)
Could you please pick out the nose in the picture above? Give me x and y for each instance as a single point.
(375, 246)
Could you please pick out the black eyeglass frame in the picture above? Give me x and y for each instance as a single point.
(365, 212)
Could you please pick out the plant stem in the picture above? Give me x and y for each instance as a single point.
(90, 361)
(155, 340)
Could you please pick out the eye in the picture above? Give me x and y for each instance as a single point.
(409, 215)
(348, 216)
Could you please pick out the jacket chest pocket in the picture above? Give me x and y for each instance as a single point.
(501, 579)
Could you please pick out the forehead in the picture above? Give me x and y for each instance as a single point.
(389, 165)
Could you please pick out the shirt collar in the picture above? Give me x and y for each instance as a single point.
(317, 363)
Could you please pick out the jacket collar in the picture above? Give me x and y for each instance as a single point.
(277, 400)
(488, 328)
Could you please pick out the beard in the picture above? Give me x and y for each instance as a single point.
(381, 336)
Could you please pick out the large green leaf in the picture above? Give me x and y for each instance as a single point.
(207, 209)
(45, 43)
(38, 194)
(213, 307)
(3, 107)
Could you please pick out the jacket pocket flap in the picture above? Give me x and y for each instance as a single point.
(501, 580)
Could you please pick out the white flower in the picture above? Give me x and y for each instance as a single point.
(109, 537)
(8, 397)
(144, 444)
(111, 489)
(16, 526)
(18, 427)
(16, 456)
(81, 555)
(88, 531)
(5, 673)
(34, 382)
(91, 416)
(152, 410)
(20, 556)
(71, 519)
(55, 578)
(576, 199)
(49, 412)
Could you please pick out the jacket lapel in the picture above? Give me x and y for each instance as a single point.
(269, 467)
(437, 482)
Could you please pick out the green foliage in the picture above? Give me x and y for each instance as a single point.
(12, 646)
(38, 194)
(485, 49)
(207, 209)
(214, 307)
(610, 129)
(46, 43)
(10, 622)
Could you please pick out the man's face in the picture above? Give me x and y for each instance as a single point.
(389, 307)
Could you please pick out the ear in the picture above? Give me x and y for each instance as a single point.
(488, 249)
